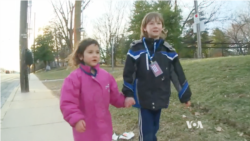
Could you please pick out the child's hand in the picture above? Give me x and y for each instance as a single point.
(129, 101)
(80, 126)
(188, 104)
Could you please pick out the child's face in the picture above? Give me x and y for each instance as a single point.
(91, 56)
(154, 28)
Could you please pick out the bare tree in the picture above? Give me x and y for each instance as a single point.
(61, 48)
(234, 34)
(64, 12)
(110, 28)
(245, 28)
(239, 32)
(56, 45)
(210, 11)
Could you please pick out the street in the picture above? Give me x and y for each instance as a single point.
(8, 83)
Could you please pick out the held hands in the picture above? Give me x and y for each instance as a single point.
(187, 104)
(80, 126)
(129, 101)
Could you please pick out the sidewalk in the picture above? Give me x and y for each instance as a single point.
(33, 116)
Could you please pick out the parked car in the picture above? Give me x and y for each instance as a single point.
(7, 72)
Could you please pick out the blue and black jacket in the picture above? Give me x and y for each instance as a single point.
(152, 92)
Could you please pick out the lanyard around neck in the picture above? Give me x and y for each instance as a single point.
(155, 47)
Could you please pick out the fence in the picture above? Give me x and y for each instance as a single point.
(209, 52)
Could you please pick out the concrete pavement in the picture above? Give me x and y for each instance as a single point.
(33, 116)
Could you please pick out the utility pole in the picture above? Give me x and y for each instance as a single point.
(77, 22)
(23, 46)
(34, 63)
(199, 51)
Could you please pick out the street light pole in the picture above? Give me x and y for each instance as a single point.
(23, 46)
(199, 52)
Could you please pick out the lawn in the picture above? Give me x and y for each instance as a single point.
(220, 100)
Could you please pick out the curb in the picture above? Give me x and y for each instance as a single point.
(7, 103)
(51, 80)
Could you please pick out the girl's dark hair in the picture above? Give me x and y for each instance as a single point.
(74, 60)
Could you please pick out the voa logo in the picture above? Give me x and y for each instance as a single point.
(191, 124)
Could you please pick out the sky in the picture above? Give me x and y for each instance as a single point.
(9, 25)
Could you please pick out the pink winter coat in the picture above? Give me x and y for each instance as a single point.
(85, 97)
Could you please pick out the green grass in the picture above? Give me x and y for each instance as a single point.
(53, 74)
(221, 97)
(61, 73)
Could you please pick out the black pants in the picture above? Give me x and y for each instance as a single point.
(148, 124)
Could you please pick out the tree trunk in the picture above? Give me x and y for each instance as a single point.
(34, 67)
(57, 52)
(45, 62)
(115, 50)
(57, 56)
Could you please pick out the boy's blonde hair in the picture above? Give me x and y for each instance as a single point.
(148, 17)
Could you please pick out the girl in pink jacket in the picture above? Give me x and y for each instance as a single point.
(86, 94)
